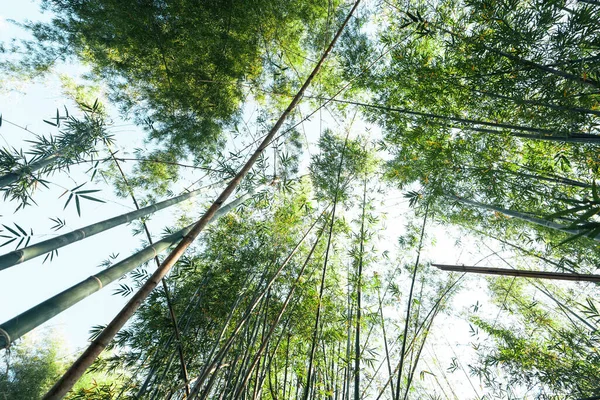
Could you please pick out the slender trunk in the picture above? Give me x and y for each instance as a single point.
(552, 179)
(287, 359)
(526, 251)
(553, 71)
(285, 304)
(243, 367)
(520, 273)
(184, 374)
(535, 133)
(35, 316)
(539, 103)
(18, 256)
(522, 217)
(385, 344)
(162, 350)
(253, 303)
(12, 177)
(412, 285)
(93, 351)
(359, 298)
(414, 367)
(311, 354)
(213, 365)
(257, 366)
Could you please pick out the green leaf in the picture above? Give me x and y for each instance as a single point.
(92, 198)
(571, 238)
(8, 242)
(88, 191)
(21, 229)
(68, 200)
(75, 188)
(78, 205)
(11, 230)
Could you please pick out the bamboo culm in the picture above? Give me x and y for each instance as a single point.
(34, 317)
(522, 216)
(19, 256)
(12, 177)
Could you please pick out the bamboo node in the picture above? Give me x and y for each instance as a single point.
(97, 280)
(7, 336)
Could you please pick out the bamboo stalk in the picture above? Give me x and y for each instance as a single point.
(536, 133)
(12, 177)
(281, 311)
(213, 364)
(35, 316)
(19, 256)
(359, 298)
(184, 374)
(408, 306)
(523, 217)
(520, 273)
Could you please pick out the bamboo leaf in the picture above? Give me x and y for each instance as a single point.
(78, 205)
(11, 230)
(92, 199)
(88, 191)
(75, 188)
(68, 200)
(21, 229)
(8, 242)
(95, 331)
(571, 238)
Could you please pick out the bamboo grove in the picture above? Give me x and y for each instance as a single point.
(306, 159)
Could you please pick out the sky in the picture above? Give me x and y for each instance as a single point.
(25, 285)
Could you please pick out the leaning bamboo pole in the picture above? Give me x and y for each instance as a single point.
(184, 374)
(37, 315)
(13, 176)
(79, 367)
(520, 273)
(524, 217)
(35, 250)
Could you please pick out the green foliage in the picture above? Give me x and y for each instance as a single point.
(31, 370)
(33, 365)
(76, 141)
(182, 84)
(537, 350)
(339, 162)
